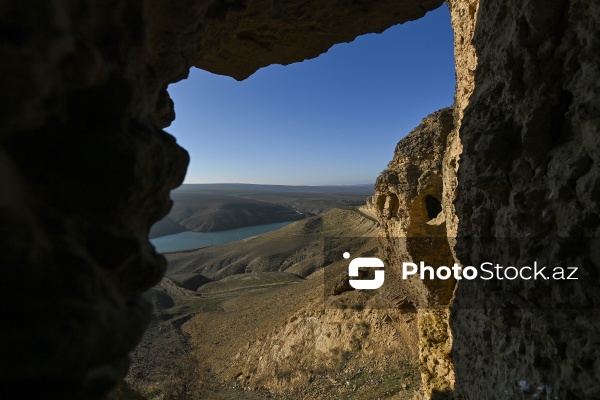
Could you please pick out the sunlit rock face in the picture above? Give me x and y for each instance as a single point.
(521, 162)
(408, 204)
(86, 170)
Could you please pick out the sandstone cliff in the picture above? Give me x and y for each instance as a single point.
(408, 202)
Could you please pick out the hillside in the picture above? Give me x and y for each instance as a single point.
(295, 248)
(262, 293)
(166, 226)
(216, 207)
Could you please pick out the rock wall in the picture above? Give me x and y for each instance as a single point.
(84, 173)
(463, 16)
(408, 202)
(529, 169)
(521, 162)
(86, 170)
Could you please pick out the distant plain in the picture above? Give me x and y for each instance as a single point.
(219, 207)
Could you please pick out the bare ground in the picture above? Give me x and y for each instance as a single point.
(265, 333)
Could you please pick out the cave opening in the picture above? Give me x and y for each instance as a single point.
(393, 205)
(433, 206)
(331, 120)
(120, 55)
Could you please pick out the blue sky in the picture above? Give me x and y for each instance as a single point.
(334, 119)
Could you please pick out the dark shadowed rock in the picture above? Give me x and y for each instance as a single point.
(530, 169)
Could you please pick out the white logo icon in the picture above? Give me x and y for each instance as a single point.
(365, 262)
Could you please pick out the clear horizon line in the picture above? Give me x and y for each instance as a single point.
(276, 184)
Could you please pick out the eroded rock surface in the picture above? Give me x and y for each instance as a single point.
(408, 202)
(530, 169)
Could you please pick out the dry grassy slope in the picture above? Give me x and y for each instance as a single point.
(317, 202)
(269, 331)
(286, 342)
(216, 207)
(217, 212)
(296, 248)
(281, 338)
(166, 226)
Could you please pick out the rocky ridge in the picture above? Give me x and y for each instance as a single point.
(408, 203)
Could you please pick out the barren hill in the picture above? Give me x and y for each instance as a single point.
(268, 290)
(216, 207)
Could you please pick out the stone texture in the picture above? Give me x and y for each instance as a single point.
(408, 203)
(463, 16)
(529, 168)
(84, 173)
(523, 148)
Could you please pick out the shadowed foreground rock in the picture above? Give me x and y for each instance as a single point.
(530, 168)
(85, 170)
(84, 173)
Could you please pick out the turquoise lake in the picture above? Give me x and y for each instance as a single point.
(195, 240)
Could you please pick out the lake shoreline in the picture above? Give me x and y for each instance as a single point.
(189, 241)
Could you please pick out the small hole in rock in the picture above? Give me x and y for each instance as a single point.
(433, 205)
